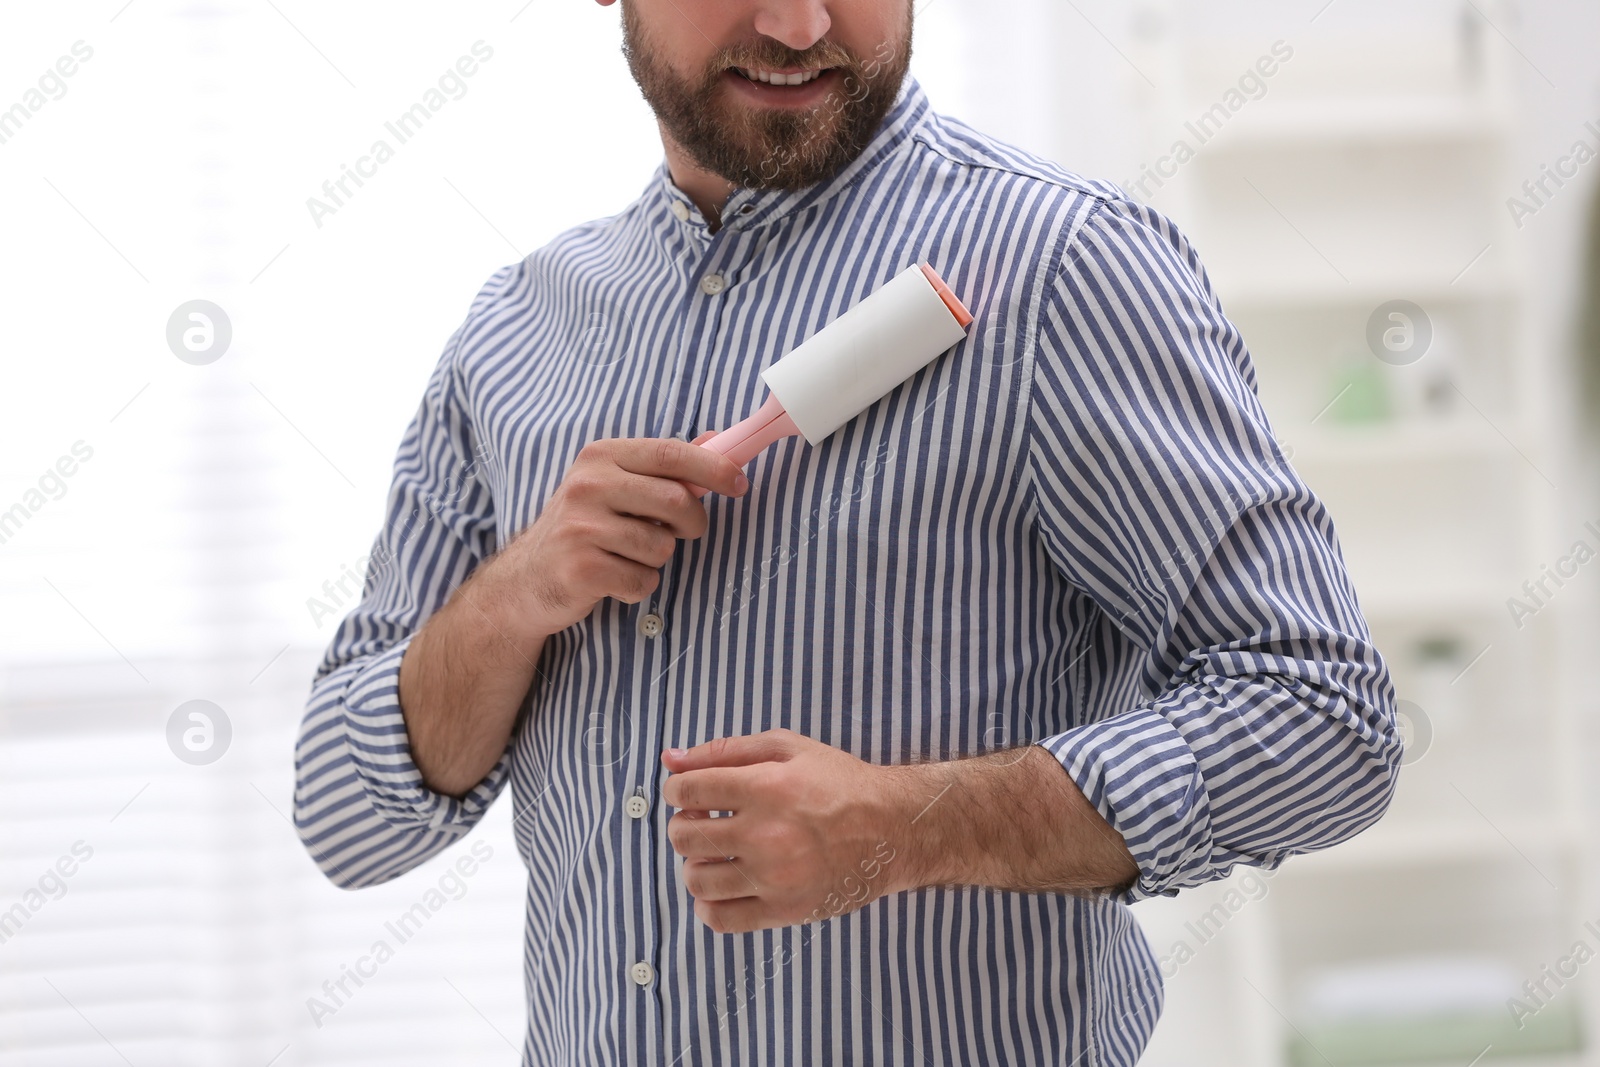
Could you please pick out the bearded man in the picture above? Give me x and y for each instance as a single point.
(861, 758)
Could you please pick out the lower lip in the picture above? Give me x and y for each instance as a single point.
(810, 94)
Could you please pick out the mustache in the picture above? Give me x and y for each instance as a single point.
(771, 54)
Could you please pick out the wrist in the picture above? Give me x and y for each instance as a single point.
(494, 612)
(918, 826)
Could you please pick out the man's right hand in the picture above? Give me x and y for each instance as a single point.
(606, 531)
(610, 526)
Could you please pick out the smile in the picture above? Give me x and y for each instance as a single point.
(777, 77)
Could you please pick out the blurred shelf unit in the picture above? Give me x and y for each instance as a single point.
(1366, 176)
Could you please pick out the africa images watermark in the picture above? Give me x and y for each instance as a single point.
(51, 885)
(452, 885)
(1251, 86)
(1252, 889)
(347, 587)
(51, 485)
(1538, 191)
(336, 191)
(1538, 592)
(854, 90)
(854, 889)
(51, 85)
(753, 578)
(1538, 993)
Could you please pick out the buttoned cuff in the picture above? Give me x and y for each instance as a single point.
(380, 751)
(1143, 778)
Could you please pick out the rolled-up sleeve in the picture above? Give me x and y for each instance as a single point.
(361, 806)
(1162, 496)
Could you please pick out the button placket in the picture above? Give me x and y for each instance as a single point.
(702, 320)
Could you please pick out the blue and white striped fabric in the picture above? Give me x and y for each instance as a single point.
(1075, 529)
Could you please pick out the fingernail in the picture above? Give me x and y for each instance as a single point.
(675, 753)
(741, 483)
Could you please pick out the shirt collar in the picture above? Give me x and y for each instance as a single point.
(750, 208)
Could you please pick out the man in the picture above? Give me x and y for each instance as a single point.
(862, 758)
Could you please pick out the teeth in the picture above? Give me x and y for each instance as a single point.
(772, 78)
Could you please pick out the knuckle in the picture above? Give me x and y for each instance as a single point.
(654, 543)
(583, 530)
(586, 569)
(641, 585)
(665, 453)
(668, 497)
(580, 484)
(780, 784)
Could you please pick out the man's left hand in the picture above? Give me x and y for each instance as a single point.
(811, 834)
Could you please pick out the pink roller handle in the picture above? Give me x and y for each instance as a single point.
(745, 440)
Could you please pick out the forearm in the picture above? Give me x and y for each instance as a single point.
(1011, 820)
(463, 680)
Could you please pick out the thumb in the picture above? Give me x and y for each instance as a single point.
(708, 435)
(771, 746)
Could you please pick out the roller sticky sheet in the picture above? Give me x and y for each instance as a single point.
(850, 364)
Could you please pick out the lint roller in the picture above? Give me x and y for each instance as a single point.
(850, 364)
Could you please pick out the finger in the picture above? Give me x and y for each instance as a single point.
(700, 490)
(695, 835)
(663, 502)
(667, 457)
(633, 539)
(718, 880)
(713, 789)
(769, 746)
(738, 916)
(619, 578)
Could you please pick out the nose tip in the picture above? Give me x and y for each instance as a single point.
(799, 26)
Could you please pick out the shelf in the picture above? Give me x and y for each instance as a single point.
(1373, 170)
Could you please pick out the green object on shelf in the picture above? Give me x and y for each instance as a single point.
(1453, 1038)
(1361, 393)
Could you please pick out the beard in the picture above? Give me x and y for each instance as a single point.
(769, 148)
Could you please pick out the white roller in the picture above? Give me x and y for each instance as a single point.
(863, 354)
(850, 364)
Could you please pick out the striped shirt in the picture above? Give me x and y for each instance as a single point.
(1074, 529)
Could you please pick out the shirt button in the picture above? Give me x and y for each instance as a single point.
(636, 806)
(681, 210)
(712, 284)
(642, 973)
(651, 625)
